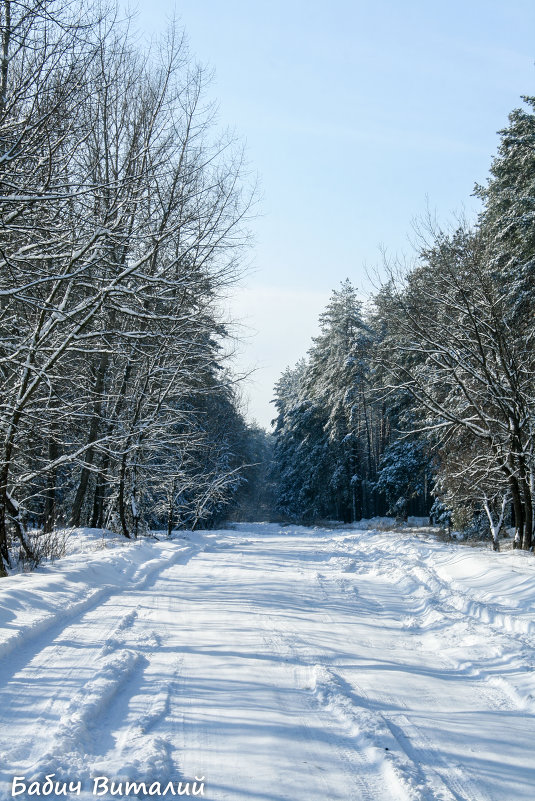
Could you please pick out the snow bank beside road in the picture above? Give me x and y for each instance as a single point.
(474, 594)
(97, 566)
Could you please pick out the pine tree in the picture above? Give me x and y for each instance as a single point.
(508, 217)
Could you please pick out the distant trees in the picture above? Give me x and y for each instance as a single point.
(333, 425)
(255, 497)
(121, 220)
(336, 379)
(301, 456)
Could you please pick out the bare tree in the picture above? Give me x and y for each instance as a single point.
(121, 221)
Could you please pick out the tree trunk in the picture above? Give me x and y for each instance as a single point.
(4, 547)
(528, 516)
(121, 498)
(79, 498)
(518, 511)
(50, 493)
(97, 518)
(78, 503)
(6, 36)
(170, 516)
(8, 507)
(134, 504)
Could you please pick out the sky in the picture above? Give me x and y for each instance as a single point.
(357, 117)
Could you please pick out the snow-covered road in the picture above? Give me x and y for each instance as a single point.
(276, 664)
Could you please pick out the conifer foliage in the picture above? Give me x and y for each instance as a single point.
(333, 426)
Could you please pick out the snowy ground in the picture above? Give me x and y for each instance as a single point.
(279, 664)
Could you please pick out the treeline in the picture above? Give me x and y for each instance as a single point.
(338, 451)
(428, 395)
(122, 221)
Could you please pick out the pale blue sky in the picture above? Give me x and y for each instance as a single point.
(354, 114)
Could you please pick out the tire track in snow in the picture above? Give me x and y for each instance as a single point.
(140, 750)
(77, 734)
(148, 739)
(439, 780)
(64, 726)
(63, 704)
(143, 738)
(447, 782)
(377, 769)
(360, 769)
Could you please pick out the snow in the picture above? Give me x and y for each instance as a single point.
(276, 662)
